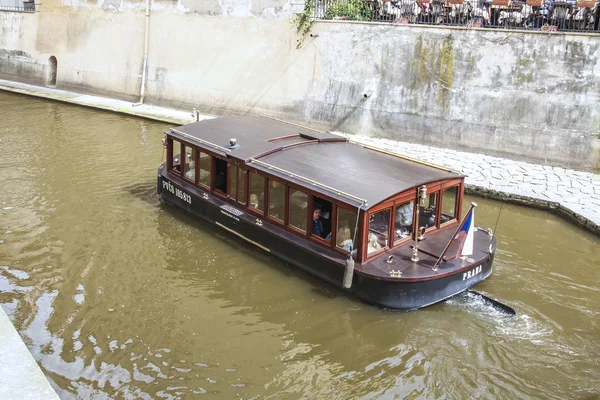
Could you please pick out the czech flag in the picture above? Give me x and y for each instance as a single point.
(465, 234)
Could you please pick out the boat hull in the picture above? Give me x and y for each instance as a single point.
(314, 259)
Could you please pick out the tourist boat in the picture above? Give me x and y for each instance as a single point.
(341, 211)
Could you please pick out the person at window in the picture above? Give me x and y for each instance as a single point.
(318, 223)
(405, 213)
(191, 172)
(343, 239)
(373, 243)
(254, 200)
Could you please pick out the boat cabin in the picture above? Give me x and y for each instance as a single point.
(319, 187)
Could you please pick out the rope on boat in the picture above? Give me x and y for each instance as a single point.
(349, 272)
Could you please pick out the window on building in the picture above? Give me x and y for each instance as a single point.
(18, 5)
(298, 208)
(276, 200)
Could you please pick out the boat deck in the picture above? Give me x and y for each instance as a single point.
(430, 248)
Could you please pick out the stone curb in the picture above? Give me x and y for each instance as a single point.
(551, 206)
(180, 117)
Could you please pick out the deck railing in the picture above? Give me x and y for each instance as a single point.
(19, 6)
(540, 15)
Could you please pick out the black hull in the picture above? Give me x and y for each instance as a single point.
(315, 260)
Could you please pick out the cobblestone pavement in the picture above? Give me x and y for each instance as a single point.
(572, 193)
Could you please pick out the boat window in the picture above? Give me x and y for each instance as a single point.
(298, 207)
(232, 192)
(428, 211)
(221, 175)
(346, 227)
(321, 221)
(175, 156)
(379, 226)
(257, 190)
(404, 220)
(276, 199)
(189, 163)
(449, 197)
(241, 197)
(205, 161)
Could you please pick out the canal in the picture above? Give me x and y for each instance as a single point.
(118, 295)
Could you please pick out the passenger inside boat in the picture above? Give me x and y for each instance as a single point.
(428, 211)
(254, 200)
(379, 224)
(276, 200)
(190, 163)
(257, 190)
(344, 239)
(321, 218)
(404, 220)
(346, 229)
(205, 161)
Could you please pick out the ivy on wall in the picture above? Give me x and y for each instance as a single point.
(304, 22)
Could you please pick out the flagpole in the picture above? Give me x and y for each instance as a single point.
(435, 266)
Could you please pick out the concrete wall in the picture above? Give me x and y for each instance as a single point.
(526, 95)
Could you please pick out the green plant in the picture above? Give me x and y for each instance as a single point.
(305, 22)
(354, 10)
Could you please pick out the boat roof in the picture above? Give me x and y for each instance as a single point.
(328, 163)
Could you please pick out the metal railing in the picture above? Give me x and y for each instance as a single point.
(541, 15)
(21, 6)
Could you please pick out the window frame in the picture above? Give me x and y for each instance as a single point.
(212, 163)
(403, 199)
(458, 205)
(386, 205)
(251, 210)
(170, 156)
(288, 196)
(358, 242)
(312, 237)
(213, 178)
(185, 178)
(286, 205)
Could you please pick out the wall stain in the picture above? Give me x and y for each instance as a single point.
(446, 72)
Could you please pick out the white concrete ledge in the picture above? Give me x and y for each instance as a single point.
(20, 376)
(572, 194)
(103, 103)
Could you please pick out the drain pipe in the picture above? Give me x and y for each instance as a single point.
(145, 66)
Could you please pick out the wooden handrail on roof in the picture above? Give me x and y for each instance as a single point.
(216, 146)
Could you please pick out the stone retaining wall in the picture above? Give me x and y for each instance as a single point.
(532, 96)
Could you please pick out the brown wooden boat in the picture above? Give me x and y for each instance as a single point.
(338, 210)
